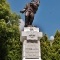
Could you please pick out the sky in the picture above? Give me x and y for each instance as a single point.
(47, 17)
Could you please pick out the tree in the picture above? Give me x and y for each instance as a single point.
(10, 46)
(50, 52)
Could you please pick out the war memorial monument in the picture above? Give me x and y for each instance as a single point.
(30, 36)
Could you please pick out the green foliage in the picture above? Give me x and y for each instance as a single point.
(44, 47)
(10, 46)
(3, 39)
(4, 10)
(50, 52)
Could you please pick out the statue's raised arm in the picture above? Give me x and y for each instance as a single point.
(29, 10)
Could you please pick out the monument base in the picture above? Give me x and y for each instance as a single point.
(31, 43)
(31, 59)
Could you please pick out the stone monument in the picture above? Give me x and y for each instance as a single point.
(30, 36)
(31, 43)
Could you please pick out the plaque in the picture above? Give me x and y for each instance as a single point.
(32, 51)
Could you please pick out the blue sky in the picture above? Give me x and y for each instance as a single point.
(47, 17)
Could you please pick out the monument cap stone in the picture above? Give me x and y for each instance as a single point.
(31, 33)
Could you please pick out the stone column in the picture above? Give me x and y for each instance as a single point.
(31, 43)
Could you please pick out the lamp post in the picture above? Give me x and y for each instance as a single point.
(51, 40)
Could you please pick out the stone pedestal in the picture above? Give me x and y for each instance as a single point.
(31, 43)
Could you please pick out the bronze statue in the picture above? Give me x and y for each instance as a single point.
(30, 10)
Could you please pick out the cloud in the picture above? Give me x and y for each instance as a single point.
(52, 38)
(21, 24)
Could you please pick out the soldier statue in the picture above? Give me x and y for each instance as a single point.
(29, 10)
